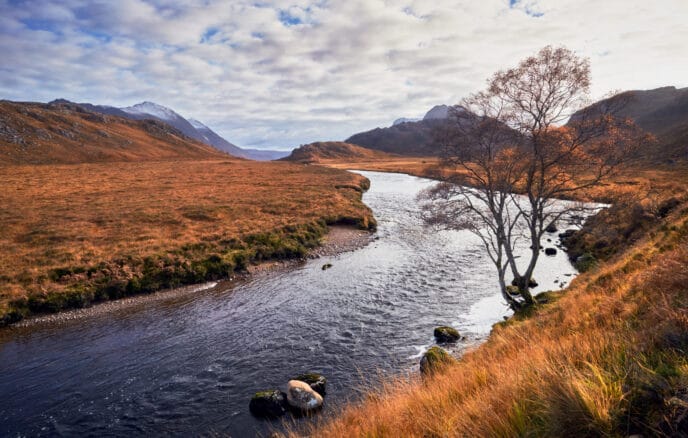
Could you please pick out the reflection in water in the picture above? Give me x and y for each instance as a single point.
(191, 363)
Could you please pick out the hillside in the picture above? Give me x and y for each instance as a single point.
(35, 133)
(603, 357)
(189, 127)
(321, 152)
(411, 138)
(662, 112)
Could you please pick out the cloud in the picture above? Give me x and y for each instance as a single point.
(279, 74)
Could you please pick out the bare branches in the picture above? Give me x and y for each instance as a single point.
(509, 145)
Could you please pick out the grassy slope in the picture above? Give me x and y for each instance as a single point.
(75, 234)
(606, 356)
(34, 133)
(335, 151)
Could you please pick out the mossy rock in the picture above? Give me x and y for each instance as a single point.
(531, 283)
(318, 382)
(326, 266)
(271, 404)
(585, 262)
(435, 359)
(513, 290)
(446, 334)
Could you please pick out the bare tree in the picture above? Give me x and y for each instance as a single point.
(509, 159)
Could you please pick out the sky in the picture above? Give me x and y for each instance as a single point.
(277, 74)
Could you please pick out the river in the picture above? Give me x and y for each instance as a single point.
(189, 364)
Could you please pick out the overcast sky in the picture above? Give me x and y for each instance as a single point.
(276, 74)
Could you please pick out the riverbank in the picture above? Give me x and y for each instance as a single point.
(338, 240)
(603, 357)
(74, 235)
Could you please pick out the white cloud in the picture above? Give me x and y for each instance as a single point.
(278, 74)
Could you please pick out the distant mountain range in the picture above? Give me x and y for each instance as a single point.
(406, 136)
(63, 132)
(191, 128)
(662, 112)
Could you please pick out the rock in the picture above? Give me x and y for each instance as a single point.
(316, 381)
(551, 228)
(434, 359)
(566, 234)
(531, 283)
(271, 403)
(326, 266)
(446, 334)
(302, 397)
(513, 290)
(550, 251)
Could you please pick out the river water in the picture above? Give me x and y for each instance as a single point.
(189, 365)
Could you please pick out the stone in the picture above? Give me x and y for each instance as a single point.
(550, 251)
(513, 290)
(272, 403)
(302, 397)
(551, 228)
(531, 283)
(326, 266)
(434, 359)
(317, 382)
(446, 334)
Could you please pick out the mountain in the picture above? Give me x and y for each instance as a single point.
(437, 112)
(63, 132)
(403, 120)
(146, 110)
(414, 138)
(210, 137)
(662, 112)
(333, 150)
(190, 127)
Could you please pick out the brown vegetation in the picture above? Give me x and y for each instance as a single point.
(74, 234)
(605, 357)
(334, 151)
(35, 133)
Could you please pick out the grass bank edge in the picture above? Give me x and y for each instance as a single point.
(74, 287)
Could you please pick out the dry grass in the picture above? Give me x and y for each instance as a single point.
(33, 133)
(607, 358)
(66, 226)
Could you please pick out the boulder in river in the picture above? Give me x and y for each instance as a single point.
(550, 251)
(513, 290)
(271, 403)
(434, 359)
(326, 266)
(551, 228)
(302, 397)
(531, 283)
(317, 382)
(446, 334)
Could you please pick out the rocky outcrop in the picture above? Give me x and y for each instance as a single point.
(302, 397)
(316, 381)
(435, 359)
(445, 334)
(270, 404)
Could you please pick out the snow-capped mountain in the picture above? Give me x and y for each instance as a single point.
(212, 138)
(145, 110)
(437, 112)
(401, 120)
(191, 128)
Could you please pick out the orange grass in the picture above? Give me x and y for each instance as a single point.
(607, 358)
(86, 216)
